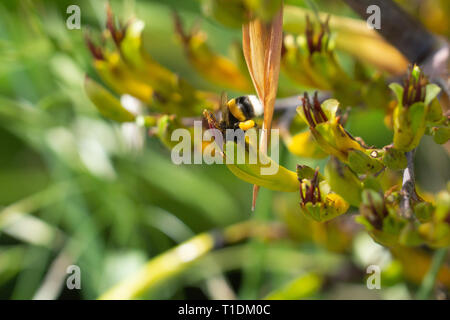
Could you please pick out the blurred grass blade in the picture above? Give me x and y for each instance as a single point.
(430, 277)
(30, 204)
(161, 268)
(176, 260)
(303, 287)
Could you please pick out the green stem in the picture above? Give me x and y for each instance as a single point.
(253, 269)
(430, 277)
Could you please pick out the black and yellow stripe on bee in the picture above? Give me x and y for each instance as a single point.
(241, 108)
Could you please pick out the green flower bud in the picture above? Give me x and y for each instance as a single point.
(380, 218)
(413, 109)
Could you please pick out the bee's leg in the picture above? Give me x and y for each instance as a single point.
(246, 125)
(211, 119)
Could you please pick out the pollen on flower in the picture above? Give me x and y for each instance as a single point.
(312, 191)
(414, 86)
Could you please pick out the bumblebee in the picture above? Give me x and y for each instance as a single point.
(243, 109)
(239, 112)
(236, 113)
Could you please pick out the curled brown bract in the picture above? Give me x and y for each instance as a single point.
(262, 43)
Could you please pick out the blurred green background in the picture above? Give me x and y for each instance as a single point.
(78, 189)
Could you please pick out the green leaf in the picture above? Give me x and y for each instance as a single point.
(344, 182)
(417, 116)
(360, 162)
(372, 183)
(434, 113)
(108, 105)
(324, 135)
(394, 159)
(416, 113)
(362, 220)
(330, 107)
(398, 91)
(305, 172)
(441, 135)
(432, 91)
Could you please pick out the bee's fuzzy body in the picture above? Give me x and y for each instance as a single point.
(237, 113)
(245, 107)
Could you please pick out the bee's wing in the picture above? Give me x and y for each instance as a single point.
(224, 107)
